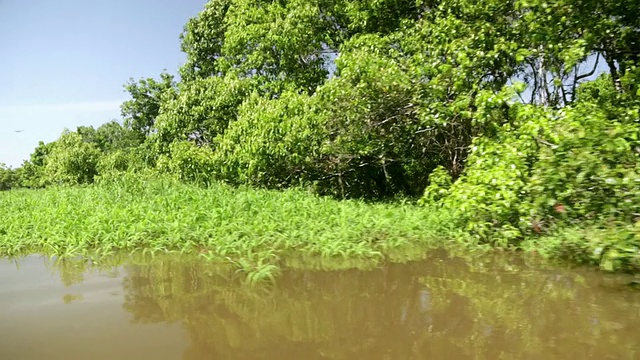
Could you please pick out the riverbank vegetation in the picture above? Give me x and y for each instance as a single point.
(258, 231)
(518, 122)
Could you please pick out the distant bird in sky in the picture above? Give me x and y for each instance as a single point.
(19, 131)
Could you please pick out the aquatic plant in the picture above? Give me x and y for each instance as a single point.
(252, 229)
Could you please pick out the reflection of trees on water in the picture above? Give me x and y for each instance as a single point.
(310, 314)
(438, 309)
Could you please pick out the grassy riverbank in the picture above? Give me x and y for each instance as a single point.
(259, 231)
(253, 228)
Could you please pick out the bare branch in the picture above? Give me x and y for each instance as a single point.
(590, 73)
(542, 141)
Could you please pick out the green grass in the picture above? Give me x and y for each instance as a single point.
(258, 231)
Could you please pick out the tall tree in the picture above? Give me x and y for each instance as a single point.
(147, 95)
(566, 40)
(110, 136)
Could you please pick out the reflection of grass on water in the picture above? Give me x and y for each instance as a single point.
(70, 298)
(256, 230)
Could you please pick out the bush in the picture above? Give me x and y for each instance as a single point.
(545, 168)
(189, 162)
(71, 161)
(589, 169)
(274, 143)
(8, 178)
(490, 196)
(612, 248)
(121, 161)
(371, 110)
(202, 110)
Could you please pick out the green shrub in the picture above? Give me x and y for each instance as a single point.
(439, 187)
(189, 162)
(612, 248)
(588, 169)
(545, 168)
(8, 178)
(71, 161)
(201, 110)
(371, 149)
(125, 160)
(274, 143)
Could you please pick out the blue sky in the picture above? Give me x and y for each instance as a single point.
(63, 62)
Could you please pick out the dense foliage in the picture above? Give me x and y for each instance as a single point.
(7, 177)
(520, 117)
(256, 230)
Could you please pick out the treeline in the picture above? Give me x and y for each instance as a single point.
(494, 107)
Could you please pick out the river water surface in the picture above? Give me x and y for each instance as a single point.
(442, 308)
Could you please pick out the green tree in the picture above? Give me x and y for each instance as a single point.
(202, 109)
(277, 43)
(147, 95)
(32, 171)
(110, 136)
(274, 142)
(562, 34)
(283, 43)
(70, 161)
(7, 177)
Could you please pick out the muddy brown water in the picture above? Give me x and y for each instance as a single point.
(442, 308)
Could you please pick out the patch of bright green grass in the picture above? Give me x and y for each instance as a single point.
(256, 230)
(260, 231)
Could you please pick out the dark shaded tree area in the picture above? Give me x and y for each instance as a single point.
(7, 177)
